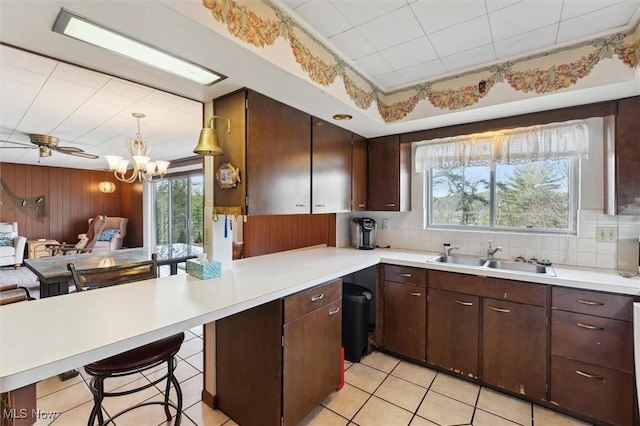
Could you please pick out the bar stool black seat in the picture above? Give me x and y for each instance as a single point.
(135, 361)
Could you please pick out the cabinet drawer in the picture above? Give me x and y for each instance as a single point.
(306, 301)
(495, 288)
(600, 341)
(593, 303)
(598, 392)
(405, 274)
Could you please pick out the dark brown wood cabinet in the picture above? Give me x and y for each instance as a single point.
(271, 144)
(453, 332)
(628, 156)
(330, 168)
(514, 347)
(405, 309)
(389, 174)
(359, 173)
(491, 329)
(276, 362)
(592, 354)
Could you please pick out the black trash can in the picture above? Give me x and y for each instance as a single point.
(356, 301)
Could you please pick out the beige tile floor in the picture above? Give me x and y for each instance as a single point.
(381, 390)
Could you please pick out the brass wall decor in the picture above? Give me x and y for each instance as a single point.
(33, 207)
(208, 143)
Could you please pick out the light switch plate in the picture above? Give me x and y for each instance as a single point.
(607, 234)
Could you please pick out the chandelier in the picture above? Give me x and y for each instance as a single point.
(143, 169)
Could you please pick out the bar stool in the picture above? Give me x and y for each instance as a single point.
(136, 360)
(132, 362)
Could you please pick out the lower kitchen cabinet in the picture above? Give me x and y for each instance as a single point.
(405, 309)
(453, 332)
(514, 347)
(592, 354)
(276, 362)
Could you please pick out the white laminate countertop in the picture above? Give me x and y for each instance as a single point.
(42, 338)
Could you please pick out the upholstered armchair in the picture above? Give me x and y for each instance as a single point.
(11, 245)
(111, 237)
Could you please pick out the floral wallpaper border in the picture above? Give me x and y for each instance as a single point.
(323, 66)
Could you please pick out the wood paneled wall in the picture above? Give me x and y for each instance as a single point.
(270, 234)
(71, 197)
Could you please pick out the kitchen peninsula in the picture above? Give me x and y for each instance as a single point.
(79, 328)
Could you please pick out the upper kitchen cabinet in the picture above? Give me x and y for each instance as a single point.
(389, 174)
(359, 174)
(628, 156)
(271, 144)
(331, 168)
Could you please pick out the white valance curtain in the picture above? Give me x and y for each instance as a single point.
(513, 146)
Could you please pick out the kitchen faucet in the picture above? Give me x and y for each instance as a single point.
(448, 247)
(491, 251)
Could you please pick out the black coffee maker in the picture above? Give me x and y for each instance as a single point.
(363, 233)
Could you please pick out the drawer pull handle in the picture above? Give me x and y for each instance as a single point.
(589, 376)
(320, 205)
(460, 302)
(317, 297)
(406, 275)
(390, 205)
(504, 311)
(360, 205)
(301, 205)
(589, 327)
(334, 311)
(414, 293)
(589, 302)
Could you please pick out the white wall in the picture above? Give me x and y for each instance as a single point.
(406, 230)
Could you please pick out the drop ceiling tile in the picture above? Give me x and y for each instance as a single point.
(163, 99)
(78, 91)
(390, 81)
(27, 61)
(323, 17)
(374, 64)
(573, 8)
(294, 3)
(527, 42)
(124, 88)
(14, 102)
(462, 37)
(391, 29)
(469, 59)
(493, 5)
(435, 15)
(22, 75)
(358, 12)
(595, 22)
(508, 22)
(351, 45)
(423, 72)
(410, 53)
(80, 76)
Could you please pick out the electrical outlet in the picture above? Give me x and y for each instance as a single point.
(607, 234)
(385, 223)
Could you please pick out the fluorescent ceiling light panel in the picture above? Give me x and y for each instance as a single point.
(82, 29)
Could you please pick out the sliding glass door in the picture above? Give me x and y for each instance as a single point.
(178, 210)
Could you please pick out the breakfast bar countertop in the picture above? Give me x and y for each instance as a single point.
(46, 337)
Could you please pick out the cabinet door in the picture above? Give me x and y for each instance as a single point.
(628, 156)
(389, 174)
(331, 168)
(359, 174)
(311, 364)
(278, 158)
(453, 332)
(514, 347)
(405, 308)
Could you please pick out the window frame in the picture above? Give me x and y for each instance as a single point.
(574, 194)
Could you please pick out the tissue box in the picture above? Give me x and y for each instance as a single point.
(204, 271)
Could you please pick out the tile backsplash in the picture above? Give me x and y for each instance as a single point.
(406, 231)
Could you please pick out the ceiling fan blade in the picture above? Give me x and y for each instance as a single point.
(66, 149)
(22, 145)
(82, 154)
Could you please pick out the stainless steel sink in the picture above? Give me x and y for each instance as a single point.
(518, 266)
(459, 260)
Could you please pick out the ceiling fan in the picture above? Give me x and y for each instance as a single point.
(46, 144)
